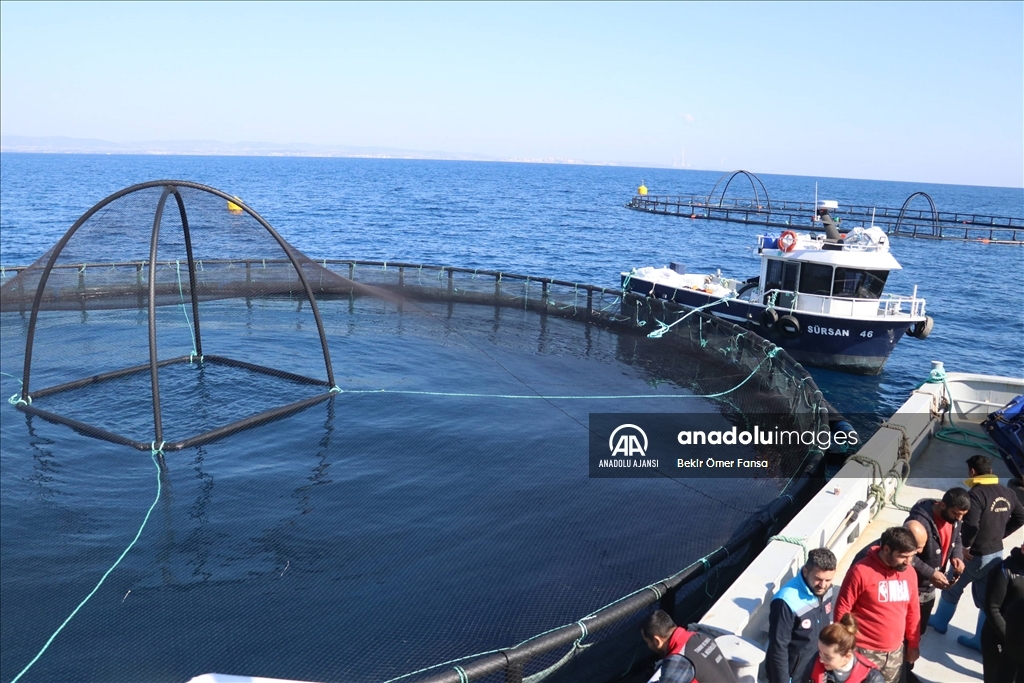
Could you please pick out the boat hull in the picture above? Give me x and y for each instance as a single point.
(846, 344)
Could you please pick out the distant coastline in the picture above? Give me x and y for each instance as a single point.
(67, 145)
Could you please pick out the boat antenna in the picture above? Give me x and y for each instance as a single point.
(872, 217)
(814, 211)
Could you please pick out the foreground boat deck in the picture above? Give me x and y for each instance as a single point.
(937, 469)
(841, 517)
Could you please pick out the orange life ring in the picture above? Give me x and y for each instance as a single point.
(787, 241)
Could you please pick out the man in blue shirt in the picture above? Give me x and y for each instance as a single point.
(800, 610)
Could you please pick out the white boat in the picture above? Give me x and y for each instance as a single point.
(818, 296)
(845, 517)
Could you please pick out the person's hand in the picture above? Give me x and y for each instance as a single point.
(958, 565)
(940, 580)
(912, 655)
(967, 556)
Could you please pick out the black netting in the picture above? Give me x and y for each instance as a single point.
(436, 506)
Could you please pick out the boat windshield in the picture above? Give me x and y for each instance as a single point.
(815, 278)
(859, 284)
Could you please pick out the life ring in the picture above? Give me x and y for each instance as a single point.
(769, 318)
(921, 330)
(789, 325)
(787, 241)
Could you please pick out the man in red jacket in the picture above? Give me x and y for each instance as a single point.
(882, 595)
(687, 656)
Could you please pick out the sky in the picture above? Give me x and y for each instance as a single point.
(924, 92)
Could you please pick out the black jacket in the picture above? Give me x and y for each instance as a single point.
(995, 514)
(796, 617)
(1005, 586)
(929, 559)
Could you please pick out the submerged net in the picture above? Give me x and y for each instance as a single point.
(436, 505)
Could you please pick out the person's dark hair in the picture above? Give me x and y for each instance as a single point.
(980, 464)
(821, 558)
(843, 634)
(957, 499)
(899, 539)
(658, 624)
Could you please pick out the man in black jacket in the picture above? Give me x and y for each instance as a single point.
(995, 513)
(796, 616)
(1002, 640)
(943, 549)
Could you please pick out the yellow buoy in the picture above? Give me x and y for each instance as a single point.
(235, 208)
(642, 190)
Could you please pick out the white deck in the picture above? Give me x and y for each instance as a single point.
(936, 466)
(939, 468)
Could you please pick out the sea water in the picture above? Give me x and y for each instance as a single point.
(287, 551)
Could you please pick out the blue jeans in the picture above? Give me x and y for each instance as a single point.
(975, 573)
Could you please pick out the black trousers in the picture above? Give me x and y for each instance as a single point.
(998, 666)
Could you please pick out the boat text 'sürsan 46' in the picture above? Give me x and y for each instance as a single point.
(818, 296)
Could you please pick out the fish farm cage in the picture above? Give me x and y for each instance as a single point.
(172, 318)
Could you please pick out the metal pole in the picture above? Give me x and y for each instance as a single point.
(154, 368)
(191, 273)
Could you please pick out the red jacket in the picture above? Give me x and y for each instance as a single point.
(863, 671)
(884, 601)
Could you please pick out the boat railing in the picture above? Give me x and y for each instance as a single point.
(889, 306)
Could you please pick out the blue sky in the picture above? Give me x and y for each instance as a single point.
(918, 92)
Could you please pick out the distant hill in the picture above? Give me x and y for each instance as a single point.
(65, 145)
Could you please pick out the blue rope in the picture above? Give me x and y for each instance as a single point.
(768, 356)
(153, 455)
(191, 330)
(16, 398)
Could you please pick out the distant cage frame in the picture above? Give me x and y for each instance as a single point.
(171, 187)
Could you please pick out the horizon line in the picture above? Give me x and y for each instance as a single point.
(136, 149)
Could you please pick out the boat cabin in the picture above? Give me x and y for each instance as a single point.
(808, 272)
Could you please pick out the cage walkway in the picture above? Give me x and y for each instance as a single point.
(922, 223)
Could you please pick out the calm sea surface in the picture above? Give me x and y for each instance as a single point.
(305, 548)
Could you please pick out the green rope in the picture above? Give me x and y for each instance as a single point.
(954, 434)
(191, 330)
(153, 455)
(639, 322)
(456, 394)
(16, 398)
(658, 333)
(626, 280)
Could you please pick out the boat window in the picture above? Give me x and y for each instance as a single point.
(782, 275)
(859, 284)
(816, 278)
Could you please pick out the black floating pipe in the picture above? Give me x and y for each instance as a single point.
(224, 360)
(84, 428)
(520, 654)
(246, 423)
(158, 429)
(191, 273)
(113, 374)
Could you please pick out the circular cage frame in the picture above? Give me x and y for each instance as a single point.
(171, 187)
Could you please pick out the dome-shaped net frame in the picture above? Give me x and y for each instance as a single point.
(158, 250)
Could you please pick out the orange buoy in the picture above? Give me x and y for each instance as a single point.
(787, 241)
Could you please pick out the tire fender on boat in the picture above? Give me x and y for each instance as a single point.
(787, 241)
(789, 325)
(768, 318)
(921, 329)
